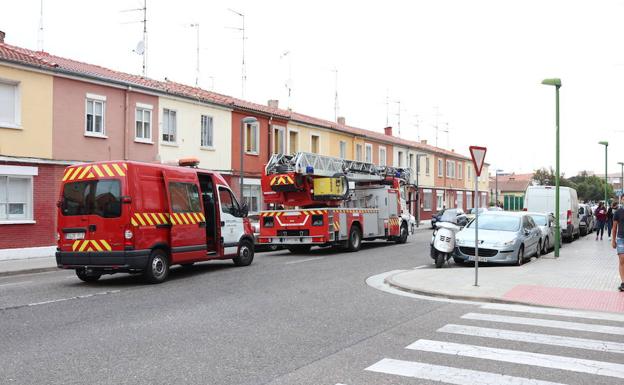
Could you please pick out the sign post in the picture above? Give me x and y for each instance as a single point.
(478, 156)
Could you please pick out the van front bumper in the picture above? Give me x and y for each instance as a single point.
(113, 261)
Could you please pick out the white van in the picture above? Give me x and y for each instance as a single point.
(542, 199)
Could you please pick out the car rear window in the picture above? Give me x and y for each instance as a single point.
(93, 197)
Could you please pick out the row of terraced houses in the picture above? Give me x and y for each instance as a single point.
(56, 111)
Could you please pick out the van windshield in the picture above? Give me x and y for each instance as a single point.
(93, 197)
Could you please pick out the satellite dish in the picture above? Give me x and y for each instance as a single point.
(140, 48)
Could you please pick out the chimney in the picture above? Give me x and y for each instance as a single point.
(2, 35)
(341, 120)
(388, 130)
(273, 103)
(424, 141)
(452, 150)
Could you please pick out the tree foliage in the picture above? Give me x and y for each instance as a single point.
(588, 187)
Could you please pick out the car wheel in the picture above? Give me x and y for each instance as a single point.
(403, 237)
(245, 254)
(355, 238)
(87, 277)
(546, 246)
(157, 269)
(538, 251)
(520, 256)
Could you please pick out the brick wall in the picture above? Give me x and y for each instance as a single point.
(45, 195)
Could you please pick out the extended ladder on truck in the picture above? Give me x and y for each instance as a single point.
(332, 201)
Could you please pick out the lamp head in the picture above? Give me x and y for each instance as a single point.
(552, 82)
(604, 143)
(621, 163)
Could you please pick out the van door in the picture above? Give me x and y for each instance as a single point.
(231, 221)
(188, 236)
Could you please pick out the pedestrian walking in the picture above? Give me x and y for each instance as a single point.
(617, 241)
(610, 212)
(601, 219)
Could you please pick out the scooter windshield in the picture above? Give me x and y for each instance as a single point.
(449, 216)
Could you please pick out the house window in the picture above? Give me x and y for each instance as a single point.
(468, 199)
(95, 108)
(382, 156)
(343, 149)
(368, 157)
(251, 196)
(314, 143)
(9, 104)
(439, 200)
(170, 126)
(358, 152)
(427, 200)
(450, 169)
(411, 161)
(469, 172)
(15, 198)
(293, 141)
(440, 168)
(207, 131)
(143, 124)
(252, 137)
(460, 199)
(426, 165)
(279, 140)
(460, 170)
(400, 160)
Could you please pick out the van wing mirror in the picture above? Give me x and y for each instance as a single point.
(243, 210)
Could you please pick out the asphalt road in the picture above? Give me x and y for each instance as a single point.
(286, 319)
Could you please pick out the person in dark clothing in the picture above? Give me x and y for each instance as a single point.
(601, 219)
(617, 240)
(610, 213)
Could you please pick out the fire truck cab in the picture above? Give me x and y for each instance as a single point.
(133, 217)
(326, 201)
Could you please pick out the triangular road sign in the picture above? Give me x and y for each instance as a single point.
(478, 156)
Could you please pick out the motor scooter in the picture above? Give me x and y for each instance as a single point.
(443, 240)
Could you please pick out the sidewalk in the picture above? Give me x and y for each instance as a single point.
(30, 265)
(585, 276)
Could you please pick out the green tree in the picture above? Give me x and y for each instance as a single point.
(546, 177)
(591, 187)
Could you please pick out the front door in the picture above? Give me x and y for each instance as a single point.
(231, 221)
(188, 235)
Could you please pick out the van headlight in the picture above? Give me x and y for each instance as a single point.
(460, 242)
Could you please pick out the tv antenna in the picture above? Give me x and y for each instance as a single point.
(336, 107)
(243, 69)
(289, 81)
(141, 47)
(417, 125)
(196, 26)
(40, 34)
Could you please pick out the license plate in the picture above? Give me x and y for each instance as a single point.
(74, 236)
(291, 214)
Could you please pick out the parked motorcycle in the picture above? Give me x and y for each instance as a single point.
(443, 239)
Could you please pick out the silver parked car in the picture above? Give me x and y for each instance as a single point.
(546, 224)
(504, 237)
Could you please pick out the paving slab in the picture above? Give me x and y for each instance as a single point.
(29, 265)
(585, 276)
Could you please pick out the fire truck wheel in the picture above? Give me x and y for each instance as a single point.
(245, 253)
(83, 276)
(403, 237)
(157, 269)
(355, 238)
(299, 249)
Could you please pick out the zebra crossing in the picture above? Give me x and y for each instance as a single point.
(498, 324)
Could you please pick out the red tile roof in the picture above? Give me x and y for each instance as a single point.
(54, 63)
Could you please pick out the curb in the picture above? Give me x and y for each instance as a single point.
(28, 271)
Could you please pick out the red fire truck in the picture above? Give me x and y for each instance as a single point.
(332, 202)
(137, 217)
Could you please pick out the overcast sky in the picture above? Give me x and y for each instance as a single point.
(479, 64)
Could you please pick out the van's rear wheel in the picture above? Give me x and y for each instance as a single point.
(245, 253)
(87, 277)
(157, 269)
(355, 238)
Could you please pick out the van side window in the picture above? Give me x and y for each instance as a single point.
(228, 203)
(184, 197)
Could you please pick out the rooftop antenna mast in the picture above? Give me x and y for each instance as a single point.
(336, 108)
(196, 26)
(417, 125)
(437, 126)
(40, 34)
(141, 48)
(289, 81)
(387, 108)
(243, 69)
(398, 102)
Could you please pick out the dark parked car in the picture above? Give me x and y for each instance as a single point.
(462, 220)
(586, 219)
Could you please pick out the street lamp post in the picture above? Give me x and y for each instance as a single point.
(606, 144)
(418, 189)
(244, 123)
(557, 84)
(621, 180)
(496, 192)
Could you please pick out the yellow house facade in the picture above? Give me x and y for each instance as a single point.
(26, 121)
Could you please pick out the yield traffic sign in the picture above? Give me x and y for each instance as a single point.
(478, 156)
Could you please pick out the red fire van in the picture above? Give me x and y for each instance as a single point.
(123, 216)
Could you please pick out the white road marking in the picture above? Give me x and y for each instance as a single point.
(420, 267)
(535, 338)
(546, 323)
(579, 365)
(14, 283)
(303, 260)
(61, 300)
(449, 374)
(555, 312)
